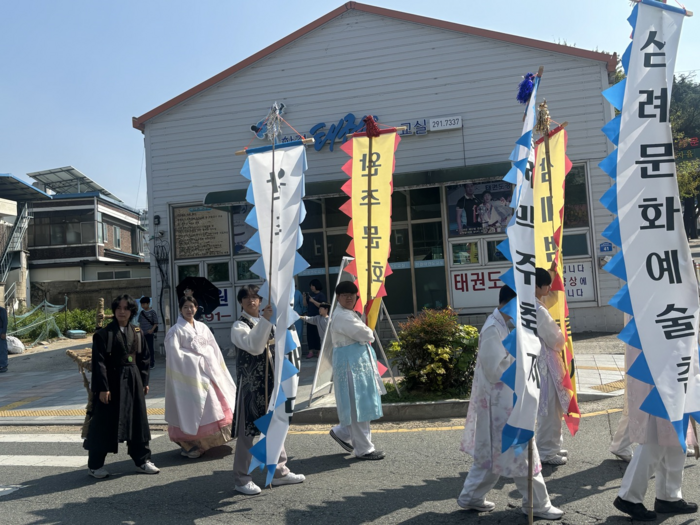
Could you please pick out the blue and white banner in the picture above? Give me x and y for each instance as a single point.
(276, 190)
(661, 291)
(519, 248)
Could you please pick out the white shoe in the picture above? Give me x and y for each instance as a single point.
(192, 454)
(690, 451)
(552, 513)
(100, 473)
(148, 468)
(624, 457)
(289, 479)
(555, 460)
(249, 489)
(563, 453)
(480, 506)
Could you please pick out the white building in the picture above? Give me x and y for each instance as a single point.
(404, 69)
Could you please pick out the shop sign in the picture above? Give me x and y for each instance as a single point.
(345, 126)
(224, 313)
(578, 282)
(475, 288)
(606, 247)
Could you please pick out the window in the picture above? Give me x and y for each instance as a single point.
(101, 233)
(399, 206)
(243, 272)
(122, 274)
(465, 253)
(575, 245)
(427, 241)
(399, 286)
(218, 272)
(314, 214)
(187, 270)
(494, 255)
(337, 245)
(111, 275)
(87, 231)
(117, 237)
(425, 204)
(334, 217)
(576, 198)
(105, 276)
(242, 232)
(312, 250)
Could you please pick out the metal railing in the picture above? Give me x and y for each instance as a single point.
(16, 239)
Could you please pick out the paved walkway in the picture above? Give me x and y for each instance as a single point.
(45, 387)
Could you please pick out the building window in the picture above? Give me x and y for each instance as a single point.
(425, 204)
(575, 245)
(399, 285)
(243, 272)
(105, 276)
(122, 274)
(187, 270)
(242, 232)
(218, 272)
(576, 198)
(111, 275)
(465, 253)
(429, 262)
(117, 237)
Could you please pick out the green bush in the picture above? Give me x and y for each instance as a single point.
(435, 353)
(73, 320)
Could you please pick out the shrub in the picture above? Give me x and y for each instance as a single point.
(74, 320)
(435, 353)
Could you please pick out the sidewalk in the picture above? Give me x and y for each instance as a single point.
(46, 388)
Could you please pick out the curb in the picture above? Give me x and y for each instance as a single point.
(393, 412)
(590, 396)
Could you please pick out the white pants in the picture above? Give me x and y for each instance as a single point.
(480, 481)
(549, 436)
(666, 463)
(357, 434)
(621, 443)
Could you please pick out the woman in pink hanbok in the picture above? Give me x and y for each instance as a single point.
(199, 391)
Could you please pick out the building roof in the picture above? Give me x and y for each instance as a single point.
(100, 196)
(69, 180)
(17, 190)
(610, 60)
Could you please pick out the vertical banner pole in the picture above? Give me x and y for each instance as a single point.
(530, 475)
(272, 232)
(369, 226)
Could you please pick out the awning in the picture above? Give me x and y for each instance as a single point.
(223, 200)
(14, 189)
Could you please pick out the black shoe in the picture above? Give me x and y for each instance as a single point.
(674, 507)
(636, 510)
(3, 370)
(373, 456)
(347, 446)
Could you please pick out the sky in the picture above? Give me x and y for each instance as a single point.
(75, 72)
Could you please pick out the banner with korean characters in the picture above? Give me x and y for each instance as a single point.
(661, 291)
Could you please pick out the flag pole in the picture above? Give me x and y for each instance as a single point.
(530, 475)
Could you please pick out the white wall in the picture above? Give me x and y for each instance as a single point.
(39, 275)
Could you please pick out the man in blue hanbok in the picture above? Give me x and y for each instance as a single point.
(358, 386)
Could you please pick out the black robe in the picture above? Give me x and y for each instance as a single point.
(250, 385)
(124, 373)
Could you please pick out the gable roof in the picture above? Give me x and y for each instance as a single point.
(610, 60)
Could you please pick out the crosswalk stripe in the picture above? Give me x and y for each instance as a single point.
(43, 461)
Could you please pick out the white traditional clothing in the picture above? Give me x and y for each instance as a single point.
(199, 391)
(659, 453)
(489, 408)
(251, 336)
(357, 384)
(554, 398)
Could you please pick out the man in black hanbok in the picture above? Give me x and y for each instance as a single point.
(120, 368)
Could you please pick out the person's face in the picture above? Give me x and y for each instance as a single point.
(323, 311)
(122, 313)
(145, 306)
(347, 300)
(313, 289)
(251, 305)
(188, 310)
(541, 291)
(469, 190)
(487, 197)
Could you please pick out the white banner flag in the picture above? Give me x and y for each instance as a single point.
(519, 248)
(661, 291)
(276, 190)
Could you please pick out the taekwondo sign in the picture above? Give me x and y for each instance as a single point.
(661, 291)
(519, 248)
(276, 191)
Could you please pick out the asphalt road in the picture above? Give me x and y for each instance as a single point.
(417, 484)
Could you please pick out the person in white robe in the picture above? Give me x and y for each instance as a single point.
(357, 383)
(554, 398)
(199, 390)
(253, 336)
(659, 454)
(489, 408)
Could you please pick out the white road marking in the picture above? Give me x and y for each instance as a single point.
(48, 438)
(9, 489)
(43, 461)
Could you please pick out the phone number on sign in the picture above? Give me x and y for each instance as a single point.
(445, 123)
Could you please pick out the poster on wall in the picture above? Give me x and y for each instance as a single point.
(475, 288)
(200, 232)
(479, 208)
(578, 281)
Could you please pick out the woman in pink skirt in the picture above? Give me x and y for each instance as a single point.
(199, 391)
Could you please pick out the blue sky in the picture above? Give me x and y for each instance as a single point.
(75, 71)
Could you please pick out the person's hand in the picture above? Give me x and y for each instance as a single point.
(267, 312)
(150, 331)
(105, 397)
(3, 336)
(145, 391)
(553, 268)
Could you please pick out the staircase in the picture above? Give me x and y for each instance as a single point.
(15, 241)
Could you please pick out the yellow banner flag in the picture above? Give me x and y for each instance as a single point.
(369, 188)
(549, 177)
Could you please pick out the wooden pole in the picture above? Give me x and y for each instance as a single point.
(530, 474)
(369, 226)
(306, 142)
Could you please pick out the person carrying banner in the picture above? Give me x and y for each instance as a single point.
(253, 335)
(358, 386)
(553, 396)
(489, 409)
(199, 391)
(659, 454)
(120, 370)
